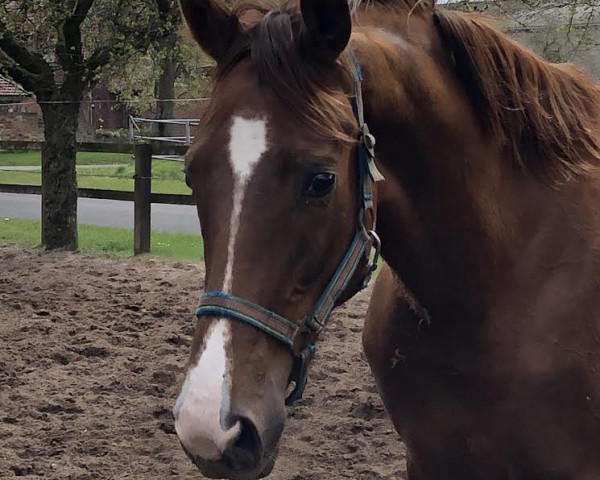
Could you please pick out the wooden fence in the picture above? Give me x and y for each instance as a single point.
(142, 196)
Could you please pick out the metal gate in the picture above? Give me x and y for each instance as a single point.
(143, 129)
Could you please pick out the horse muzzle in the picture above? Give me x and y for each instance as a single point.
(244, 459)
(223, 469)
(244, 451)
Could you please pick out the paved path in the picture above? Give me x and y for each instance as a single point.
(109, 213)
(38, 168)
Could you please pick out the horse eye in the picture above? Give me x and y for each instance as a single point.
(318, 185)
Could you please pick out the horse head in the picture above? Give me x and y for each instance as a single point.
(285, 210)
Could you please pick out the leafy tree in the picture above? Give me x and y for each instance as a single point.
(56, 49)
(173, 69)
(559, 30)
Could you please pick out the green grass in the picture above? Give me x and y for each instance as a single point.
(10, 159)
(167, 177)
(161, 169)
(95, 240)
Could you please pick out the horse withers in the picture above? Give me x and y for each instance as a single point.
(483, 332)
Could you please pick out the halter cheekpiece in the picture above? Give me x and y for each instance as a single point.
(301, 338)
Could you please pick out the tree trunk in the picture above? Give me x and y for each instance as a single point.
(59, 178)
(165, 87)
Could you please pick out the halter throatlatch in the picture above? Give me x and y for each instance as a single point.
(301, 338)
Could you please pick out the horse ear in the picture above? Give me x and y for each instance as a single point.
(213, 26)
(328, 26)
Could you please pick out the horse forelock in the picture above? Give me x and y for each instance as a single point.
(354, 4)
(274, 28)
(272, 47)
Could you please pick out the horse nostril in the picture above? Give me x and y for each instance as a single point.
(246, 452)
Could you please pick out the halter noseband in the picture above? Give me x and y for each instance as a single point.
(301, 338)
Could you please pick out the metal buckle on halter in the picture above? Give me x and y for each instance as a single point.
(369, 141)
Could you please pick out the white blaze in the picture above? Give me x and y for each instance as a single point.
(204, 397)
(247, 144)
(203, 404)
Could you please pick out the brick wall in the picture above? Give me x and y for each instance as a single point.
(21, 126)
(27, 124)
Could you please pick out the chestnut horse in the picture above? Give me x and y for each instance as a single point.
(483, 332)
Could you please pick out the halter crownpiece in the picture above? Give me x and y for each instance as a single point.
(301, 338)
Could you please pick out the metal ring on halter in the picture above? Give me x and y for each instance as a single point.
(300, 373)
(372, 263)
(377, 247)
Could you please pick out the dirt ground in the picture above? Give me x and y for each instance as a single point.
(91, 355)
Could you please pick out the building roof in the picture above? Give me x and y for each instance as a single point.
(10, 89)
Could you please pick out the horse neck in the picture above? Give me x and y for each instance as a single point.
(452, 213)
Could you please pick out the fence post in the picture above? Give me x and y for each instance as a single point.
(188, 133)
(142, 193)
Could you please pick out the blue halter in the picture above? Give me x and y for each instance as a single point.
(301, 338)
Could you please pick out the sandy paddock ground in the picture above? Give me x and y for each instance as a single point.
(91, 356)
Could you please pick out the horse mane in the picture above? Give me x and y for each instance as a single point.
(309, 89)
(547, 116)
(400, 4)
(272, 44)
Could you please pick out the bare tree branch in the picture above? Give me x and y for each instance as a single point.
(25, 67)
(69, 48)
